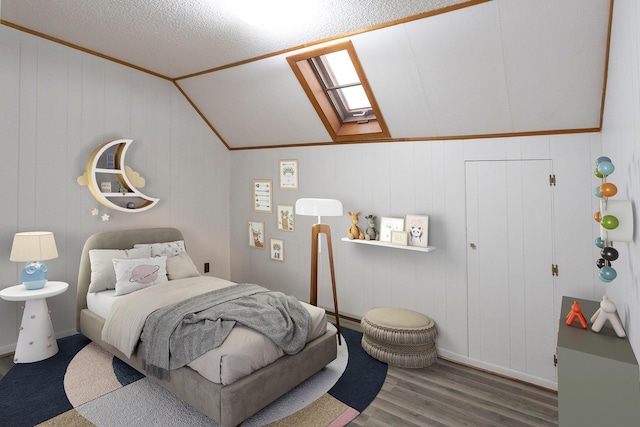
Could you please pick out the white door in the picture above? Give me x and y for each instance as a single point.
(509, 259)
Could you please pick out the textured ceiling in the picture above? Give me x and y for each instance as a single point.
(175, 38)
(484, 68)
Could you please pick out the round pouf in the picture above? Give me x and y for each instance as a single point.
(399, 337)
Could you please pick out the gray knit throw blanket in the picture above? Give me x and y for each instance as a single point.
(177, 334)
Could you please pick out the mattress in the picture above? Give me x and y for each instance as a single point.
(243, 352)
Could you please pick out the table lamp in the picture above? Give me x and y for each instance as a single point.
(33, 247)
(320, 208)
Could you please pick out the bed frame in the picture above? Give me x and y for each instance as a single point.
(230, 404)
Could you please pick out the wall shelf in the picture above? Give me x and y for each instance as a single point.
(112, 155)
(389, 245)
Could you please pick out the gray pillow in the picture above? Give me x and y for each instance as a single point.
(181, 266)
(103, 275)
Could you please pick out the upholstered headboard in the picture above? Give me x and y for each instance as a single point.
(122, 239)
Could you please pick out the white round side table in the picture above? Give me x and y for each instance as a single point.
(36, 340)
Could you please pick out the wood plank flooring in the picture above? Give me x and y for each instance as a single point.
(6, 362)
(448, 394)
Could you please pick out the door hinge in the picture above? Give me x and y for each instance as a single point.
(552, 180)
(555, 360)
(554, 269)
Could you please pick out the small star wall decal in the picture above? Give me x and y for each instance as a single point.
(105, 217)
(94, 212)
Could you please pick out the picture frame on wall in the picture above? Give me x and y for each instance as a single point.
(262, 195)
(277, 249)
(399, 237)
(389, 224)
(288, 172)
(285, 217)
(418, 228)
(256, 234)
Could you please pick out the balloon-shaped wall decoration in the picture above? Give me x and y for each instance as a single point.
(608, 189)
(605, 168)
(597, 193)
(599, 242)
(609, 253)
(607, 274)
(597, 173)
(615, 218)
(609, 222)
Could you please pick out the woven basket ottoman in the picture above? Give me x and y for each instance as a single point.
(399, 337)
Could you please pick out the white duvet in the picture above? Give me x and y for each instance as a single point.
(243, 352)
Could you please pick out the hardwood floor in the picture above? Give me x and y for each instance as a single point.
(6, 362)
(448, 394)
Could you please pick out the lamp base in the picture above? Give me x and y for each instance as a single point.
(34, 275)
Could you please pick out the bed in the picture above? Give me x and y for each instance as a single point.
(230, 399)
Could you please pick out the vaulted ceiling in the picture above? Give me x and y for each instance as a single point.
(438, 68)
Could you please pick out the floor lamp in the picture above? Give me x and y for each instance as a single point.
(320, 208)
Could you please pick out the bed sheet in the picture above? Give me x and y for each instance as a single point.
(243, 352)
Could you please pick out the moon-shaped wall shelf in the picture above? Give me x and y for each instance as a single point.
(106, 163)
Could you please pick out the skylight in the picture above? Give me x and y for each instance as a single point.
(336, 85)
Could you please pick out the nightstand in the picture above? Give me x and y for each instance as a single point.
(36, 339)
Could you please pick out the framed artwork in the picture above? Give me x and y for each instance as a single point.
(387, 225)
(418, 228)
(262, 195)
(289, 174)
(285, 217)
(277, 249)
(399, 237)
(105, 187)
(256, 234)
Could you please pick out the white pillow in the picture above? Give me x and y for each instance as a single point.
(103, 276)
(181, 266)
(167, 249)
(135, 274)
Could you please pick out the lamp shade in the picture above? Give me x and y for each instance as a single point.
(33, 246)
(319, 207)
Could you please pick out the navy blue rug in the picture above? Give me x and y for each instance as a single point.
(33, 393)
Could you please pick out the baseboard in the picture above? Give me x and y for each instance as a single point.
(498, 370)
(7, 350)
(345, 320)
(353, 323)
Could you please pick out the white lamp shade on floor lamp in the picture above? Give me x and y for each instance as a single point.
(33, 247)
(319, 207)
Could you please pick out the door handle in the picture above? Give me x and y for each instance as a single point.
(472, 245)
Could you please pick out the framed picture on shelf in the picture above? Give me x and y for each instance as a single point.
(262, 193)
(399, 237)
(277, 249)
(285, 217)
(387, 225)
(105, 187)
(418, 228)
(256, 234)
(289, 174)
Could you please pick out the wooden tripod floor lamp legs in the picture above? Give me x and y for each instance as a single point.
(313, 296)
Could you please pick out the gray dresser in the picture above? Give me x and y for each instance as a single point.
(598, 376)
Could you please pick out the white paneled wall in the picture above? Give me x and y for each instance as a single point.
(56, 105)
(621, 142)
(394, 180)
